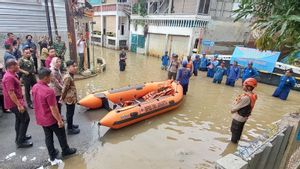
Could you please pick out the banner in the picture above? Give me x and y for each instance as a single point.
(95, 2)
(262, 60)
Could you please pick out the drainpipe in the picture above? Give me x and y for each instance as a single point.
(170, 6)
(54, 17)
(48, 22)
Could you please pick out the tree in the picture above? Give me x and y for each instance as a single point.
(140, 8)
(277, 21)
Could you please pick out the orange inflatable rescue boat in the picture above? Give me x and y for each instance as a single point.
(132, 104)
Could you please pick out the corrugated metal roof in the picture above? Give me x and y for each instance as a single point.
(22, 16)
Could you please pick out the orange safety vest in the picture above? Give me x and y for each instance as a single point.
(253, 98)
(246, 111)
(189, 65)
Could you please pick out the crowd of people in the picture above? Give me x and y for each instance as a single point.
(244, 103)
(216, 70)
(45, 95)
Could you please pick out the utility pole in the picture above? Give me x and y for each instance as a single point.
(71, 31)
(54, 17)
(92, 24)
(48, 21)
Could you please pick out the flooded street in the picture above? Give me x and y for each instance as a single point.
(192, 136)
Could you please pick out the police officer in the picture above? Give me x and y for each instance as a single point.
(26, 64)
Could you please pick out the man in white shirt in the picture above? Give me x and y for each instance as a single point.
(81, 43)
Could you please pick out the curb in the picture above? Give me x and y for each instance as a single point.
(84, 77)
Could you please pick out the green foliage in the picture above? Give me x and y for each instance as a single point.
(143, 7)
(140, 8)
(278, 22)
(135, 8)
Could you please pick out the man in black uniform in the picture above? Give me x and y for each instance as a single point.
(27, 69)
(122, 60)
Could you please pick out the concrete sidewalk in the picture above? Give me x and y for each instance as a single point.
(28, 158)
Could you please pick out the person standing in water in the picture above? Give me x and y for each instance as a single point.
(190, 64)
(203, 62)
(122, 60)
(212, 66)
(233, 74)
(165, 61)
(220, 72)
(173, 67)
(286, 83)
(196, 64)
(242, 108)
(183, 76)
(249, 71)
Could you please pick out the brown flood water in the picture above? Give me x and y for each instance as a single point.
(192, 136)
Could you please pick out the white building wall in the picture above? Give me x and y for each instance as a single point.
(225, 34)
(165, 38)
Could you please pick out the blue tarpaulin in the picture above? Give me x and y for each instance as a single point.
(262, 60)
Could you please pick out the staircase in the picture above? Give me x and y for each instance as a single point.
(126, 8)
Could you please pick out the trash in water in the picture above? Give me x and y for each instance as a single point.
(24, 158)
(9, 156)
(34, 158)
(55, 162)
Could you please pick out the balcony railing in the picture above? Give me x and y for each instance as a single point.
(125, 7)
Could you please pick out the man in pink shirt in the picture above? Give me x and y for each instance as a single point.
(10, 39)
(13, 100)
(47, 116)
(51, 55)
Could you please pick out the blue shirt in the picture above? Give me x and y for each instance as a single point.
(287, 82)
(220, 72)
(233, 72)
(203, 63)
(8, 55)
(196, 64)
(165, 60)
(249, 72)
(183, 75)
(214, 63)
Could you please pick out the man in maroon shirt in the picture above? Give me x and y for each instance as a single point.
(10, 38)
(13, 100)
(47, 115)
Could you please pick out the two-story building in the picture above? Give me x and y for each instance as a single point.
(179, 26)
(111, 28)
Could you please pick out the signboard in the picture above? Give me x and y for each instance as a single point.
(262, 60)
(95, 2)
(208, 43)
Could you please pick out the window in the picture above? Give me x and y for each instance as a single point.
(111, 42)
(122, 29)
(203, 6)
